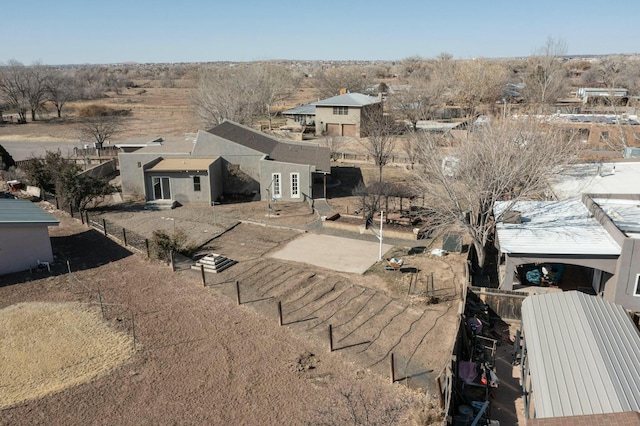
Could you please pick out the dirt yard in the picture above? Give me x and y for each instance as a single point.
(200, 359)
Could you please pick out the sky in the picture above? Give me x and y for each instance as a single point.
(117, 31)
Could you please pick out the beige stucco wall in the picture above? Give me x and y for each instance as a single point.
(22, 246)
(324, 116)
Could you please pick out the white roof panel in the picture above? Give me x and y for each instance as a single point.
(349, 100)
(582, 353)
(614, 178)
(553, 227)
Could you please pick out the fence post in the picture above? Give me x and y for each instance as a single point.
(330, 338)
(238, 292)
(104, 226)
(173, 264)
(204, 279)
(133, 330)
(392, 368)
(440, 394)
(280, 313)
(124, 236)
(71, 209)
(70, 277)
(101, 306)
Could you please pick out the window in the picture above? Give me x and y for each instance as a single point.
(139, 164)
(196, 183)
(295, 185)
(276, 185)
(637, 291)
(161, 188)
(340, 110)
(604, 136)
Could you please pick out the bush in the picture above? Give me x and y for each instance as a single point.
(162, 243)
(101, 111)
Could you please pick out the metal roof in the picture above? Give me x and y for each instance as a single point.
(349, 100)
(625, 213)
(582, 353)
(554, 228)
(308, 109)
(24, 212)
(182, 165)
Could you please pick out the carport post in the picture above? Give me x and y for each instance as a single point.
(104, 226)
(280, 313)
(204, 280)
(81, 217)
(124, 236)
(238, 292)
(146, 244)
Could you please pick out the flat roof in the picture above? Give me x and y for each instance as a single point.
(24, 212)
(582, 353)
(183, 164)
(596, 178)
(624, 213)
(553, 228)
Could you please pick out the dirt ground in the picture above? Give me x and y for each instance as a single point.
(200, 358)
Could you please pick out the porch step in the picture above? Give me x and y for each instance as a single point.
(214, 263)
(161, 205)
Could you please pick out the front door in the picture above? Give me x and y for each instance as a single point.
(161, 188)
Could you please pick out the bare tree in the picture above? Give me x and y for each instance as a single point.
(546, 77)
(335, 144)
(505, 160)
(14, 88)
(475, 82)
(61, 88)
(240, 93)
(331, 81)
(101, 124)
(380, 138)
(275, 83)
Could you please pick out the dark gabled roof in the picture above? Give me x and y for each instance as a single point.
(298, 153)
(244, 136)
(286, 152)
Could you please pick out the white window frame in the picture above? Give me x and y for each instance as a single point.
(295, 185)
(636, 289)
(276, 185)
(162, 194)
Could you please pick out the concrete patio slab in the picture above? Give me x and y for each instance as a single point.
(335, 253)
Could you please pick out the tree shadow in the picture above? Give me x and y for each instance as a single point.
(349, 177)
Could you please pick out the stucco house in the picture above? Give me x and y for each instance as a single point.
(24, 235)
(340, 115)
(343, 115)
(228, 159)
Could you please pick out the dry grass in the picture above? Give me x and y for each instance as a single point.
(47, 347)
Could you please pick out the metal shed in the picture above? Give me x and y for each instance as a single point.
(580, 356)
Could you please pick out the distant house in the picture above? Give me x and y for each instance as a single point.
(343, 115)
(336, 116)
(228, 159)
(579, 357)
(24, 235)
